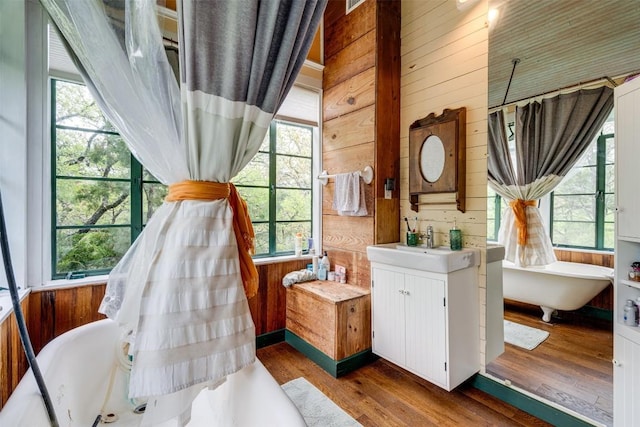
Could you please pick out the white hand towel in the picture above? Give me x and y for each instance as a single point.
(348, 195)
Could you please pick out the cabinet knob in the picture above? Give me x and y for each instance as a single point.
(616, 362)
(407, 293)
(401, 291)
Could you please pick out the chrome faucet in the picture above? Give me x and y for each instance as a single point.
(429, 237)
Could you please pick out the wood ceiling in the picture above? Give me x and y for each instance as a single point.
(560, 43)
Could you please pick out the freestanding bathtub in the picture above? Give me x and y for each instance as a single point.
(557, 286)
(77, 369)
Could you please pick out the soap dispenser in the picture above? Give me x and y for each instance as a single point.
(455, 238)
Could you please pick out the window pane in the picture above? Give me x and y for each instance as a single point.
(258, 201)
(611, 150)
(609, 207)
(573, 208)
(152, 197)
(146, 175)
(255, 173)
(292, 205)
(286, 231)
(86, 202)
(574, 234)
(609, 235)
(610, 178)
(293, 172)
(491, 224)
(589, 157)
(293, 139)
(82, 250)
(76, 108)
(578, 181)
(262, 238)
(80, 153)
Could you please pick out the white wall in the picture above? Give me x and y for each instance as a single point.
(23, 88)
(13, 131)
(444, 55)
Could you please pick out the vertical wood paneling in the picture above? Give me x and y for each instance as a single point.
(446, 66)
(361, 125)
(13, 362)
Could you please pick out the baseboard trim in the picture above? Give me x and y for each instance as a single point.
(526, 403)
(270, 338)
(336, 368)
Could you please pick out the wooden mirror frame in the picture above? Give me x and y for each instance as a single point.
(450, 127)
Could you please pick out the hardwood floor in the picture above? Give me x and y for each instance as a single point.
(572, 367)
(382, 394)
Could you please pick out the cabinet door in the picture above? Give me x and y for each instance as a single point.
(426, 343)
(387, 314)
(626, 380)
(627, 104)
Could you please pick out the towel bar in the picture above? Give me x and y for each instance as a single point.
(366, 174)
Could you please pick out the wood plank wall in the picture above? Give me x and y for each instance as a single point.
(13, 362)
(444, 55)
(361, 126)
(52, 312)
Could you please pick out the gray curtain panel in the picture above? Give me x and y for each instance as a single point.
(552, 135)
(501, 169)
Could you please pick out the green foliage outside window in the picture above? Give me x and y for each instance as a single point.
(103, 196)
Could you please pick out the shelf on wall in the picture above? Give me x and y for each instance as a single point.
(630, 283)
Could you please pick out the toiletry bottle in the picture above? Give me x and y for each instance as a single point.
(322, 272)
(638, 311)
(629, 313)
(314, 262)
(455, 238)
(325, 262)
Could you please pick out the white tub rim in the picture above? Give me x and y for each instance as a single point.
(588, 271)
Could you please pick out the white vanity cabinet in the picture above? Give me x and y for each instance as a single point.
(427, 323)
(626, 342)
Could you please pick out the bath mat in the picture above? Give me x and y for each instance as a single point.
(316, 408)
(523, 336)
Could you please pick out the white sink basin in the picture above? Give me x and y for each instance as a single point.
(437, 260)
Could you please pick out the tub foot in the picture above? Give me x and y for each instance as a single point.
(548, 311)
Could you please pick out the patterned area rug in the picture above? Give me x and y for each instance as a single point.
(316, 408)
(523, 336)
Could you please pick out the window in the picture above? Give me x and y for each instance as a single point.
(582, 207)
(103, 196)
(495, 207)
(277, 185)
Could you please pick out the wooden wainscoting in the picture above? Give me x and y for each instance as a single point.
(604, 299)
(52, 312)
(13, 362)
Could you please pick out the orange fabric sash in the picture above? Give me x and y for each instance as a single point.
(519, 210)
(242, 227)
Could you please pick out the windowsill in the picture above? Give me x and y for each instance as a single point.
(6, 306)
(96, 280)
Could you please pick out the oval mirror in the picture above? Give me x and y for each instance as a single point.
(432, 158)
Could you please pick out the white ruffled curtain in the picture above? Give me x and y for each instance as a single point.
(550, 138)
(179, 288)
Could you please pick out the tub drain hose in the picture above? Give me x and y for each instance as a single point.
(22, 328)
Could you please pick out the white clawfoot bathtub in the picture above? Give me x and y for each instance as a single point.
(558, 286)
(77, 369)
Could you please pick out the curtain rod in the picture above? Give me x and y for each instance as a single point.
(565, 88)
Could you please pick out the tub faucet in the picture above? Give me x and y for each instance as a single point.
(429, 237)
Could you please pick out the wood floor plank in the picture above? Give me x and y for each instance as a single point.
(382, 394)
(572, 367)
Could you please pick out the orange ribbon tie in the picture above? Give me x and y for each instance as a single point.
(242, 227)
(519, 210)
